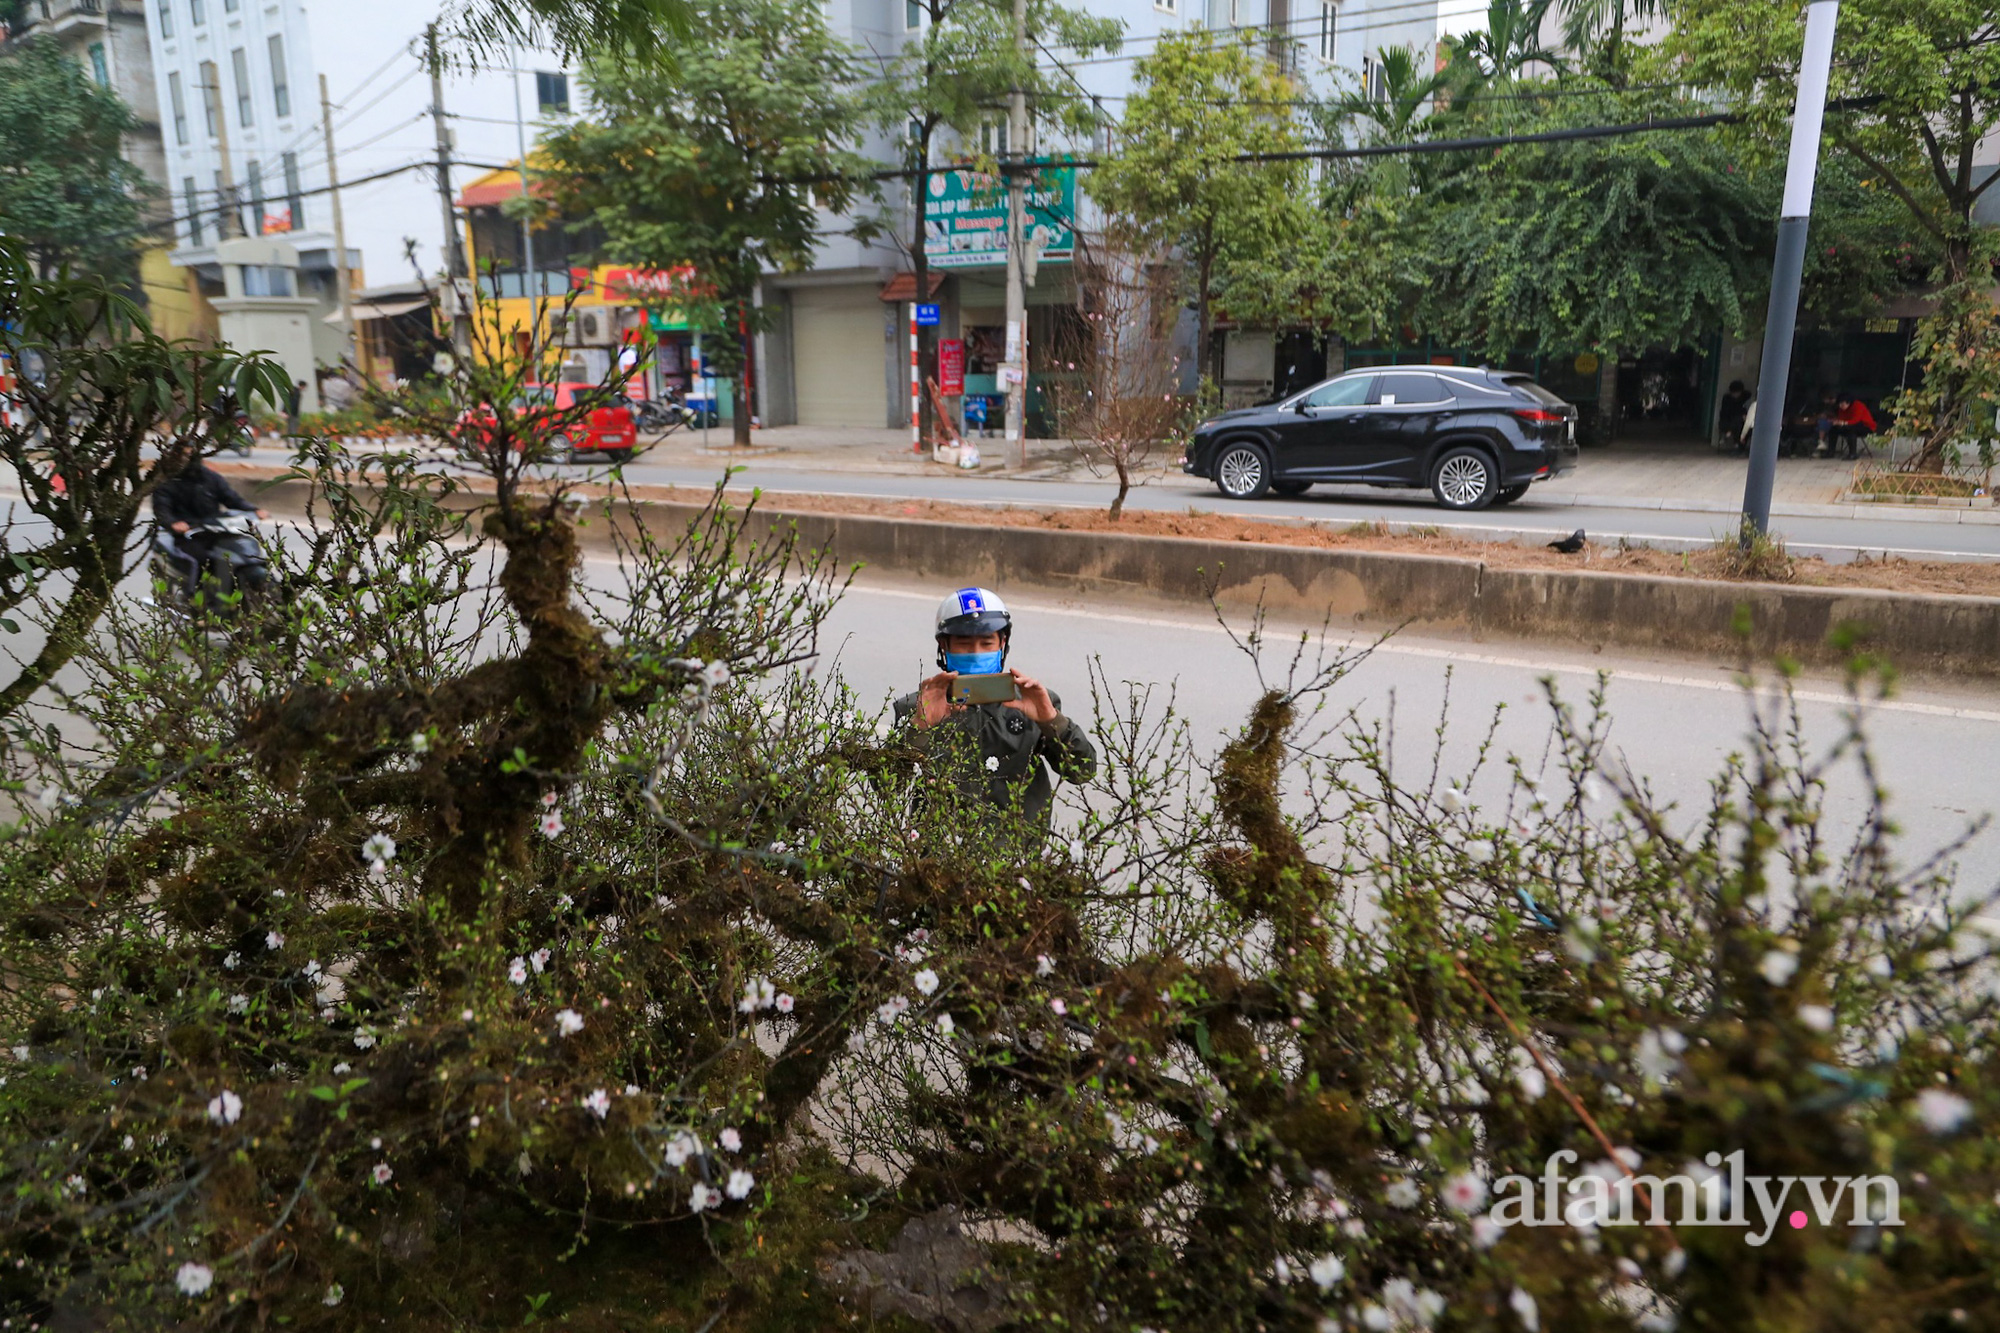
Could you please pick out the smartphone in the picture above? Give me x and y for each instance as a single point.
(992, 689)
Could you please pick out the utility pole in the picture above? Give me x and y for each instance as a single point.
(456, 271)
(232, 216)
(1794, 220)
(531, 282)
(340, 273)
(1017, 296)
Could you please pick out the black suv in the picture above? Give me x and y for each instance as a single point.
(1475, 437)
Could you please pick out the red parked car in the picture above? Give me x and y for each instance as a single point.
(609, 430)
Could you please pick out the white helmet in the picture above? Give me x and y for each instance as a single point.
(973, 611)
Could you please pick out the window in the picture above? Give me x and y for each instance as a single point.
(239, 65)
(1329, 16)
(1348, 392)
(193, 197)
(1167, 6)
(211, 95)
(231, 6)
(167, 19)
(295, 198)
(993, 138)
(281, 82)
(266, 280)
(552, 93)
(1374, 81)
(256, 227)
(178, 97)
(1412, 389)
(913, 15)
(100, 68)
(198, 12)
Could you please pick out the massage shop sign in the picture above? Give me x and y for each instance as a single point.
(965, 221)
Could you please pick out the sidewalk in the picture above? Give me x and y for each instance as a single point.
(1679, 475)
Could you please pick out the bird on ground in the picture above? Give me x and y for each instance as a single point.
(1569, 545)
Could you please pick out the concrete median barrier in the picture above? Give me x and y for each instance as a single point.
(1926, 632)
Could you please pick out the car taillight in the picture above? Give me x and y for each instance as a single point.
(1541, 414)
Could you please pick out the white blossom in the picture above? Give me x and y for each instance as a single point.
(944, 1025)
(715, 675)
(1675, 1263)
(568, 1022)
(1465, 1192)
(681, 1147)
(378, 847)
(1479, 851)
(1402, 1193)
(1942, 1112)
(1778, 966)
(758, 993)
(1485, 1232)
(1057, 1007)
(225, 1108)
(730, 1140)
(701, 1197)
(1659, 1053)
(363, 1039)
(783, 1004)
(552, 824)
(238, 1003)
(1045, 966)
(419, 743)
(335, 1294)
(598, 1103)
(343, 1067)
(1817, 1017)
(232, 960)
(194, 1279)
(1451, 801)
(926, 982)
(1523, 1306)
(992, 763)
(1327, 1270)
(383, 1173)
(274, 941)
(1077, 849)
(540, 959)
(1591, 788)
(517, 971)
(739, 1184)
(1410, 1304)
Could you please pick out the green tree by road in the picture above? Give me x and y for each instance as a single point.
(717, 155)
(67, 193)
(1203, 101)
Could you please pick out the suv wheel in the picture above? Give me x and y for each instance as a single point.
(1511, 494)
(1242, 472)
(1463, 478)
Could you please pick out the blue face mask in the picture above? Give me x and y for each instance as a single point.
(974, 664)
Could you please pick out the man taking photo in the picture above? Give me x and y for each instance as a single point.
(997, 753)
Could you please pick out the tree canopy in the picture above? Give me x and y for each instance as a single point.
(719, 156)
(67, 194)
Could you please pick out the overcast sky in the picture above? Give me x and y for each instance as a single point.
(381, 99)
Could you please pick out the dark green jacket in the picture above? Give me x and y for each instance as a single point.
(958, 749)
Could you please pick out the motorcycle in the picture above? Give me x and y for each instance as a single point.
(663, 416)
(232, 558)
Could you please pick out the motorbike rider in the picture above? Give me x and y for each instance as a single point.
(996, 753)
(195, 495)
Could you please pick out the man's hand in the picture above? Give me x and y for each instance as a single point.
(934, 703)
(179, 527)
(263, 513)
(1034, 700)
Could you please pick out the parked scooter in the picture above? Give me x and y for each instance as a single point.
(663, 416)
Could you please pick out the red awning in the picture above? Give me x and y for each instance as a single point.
(903, 287)
(498, 192)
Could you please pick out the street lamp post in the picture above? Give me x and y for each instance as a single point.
(1787, 266)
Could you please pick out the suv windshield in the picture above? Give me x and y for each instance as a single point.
(1348, 392)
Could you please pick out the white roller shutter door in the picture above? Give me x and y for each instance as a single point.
(838, 351)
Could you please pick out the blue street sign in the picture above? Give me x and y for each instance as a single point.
(927, 314)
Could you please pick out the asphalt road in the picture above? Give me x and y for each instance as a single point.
(1836, 538)
(1673, 722)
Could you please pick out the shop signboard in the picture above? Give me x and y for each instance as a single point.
(965, 222)
(951, 367)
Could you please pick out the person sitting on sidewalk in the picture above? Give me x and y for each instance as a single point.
(1850, 423)
(995, 755)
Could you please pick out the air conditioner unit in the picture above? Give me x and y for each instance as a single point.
(596, 328)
